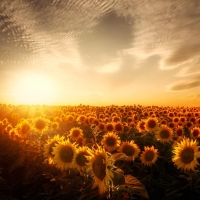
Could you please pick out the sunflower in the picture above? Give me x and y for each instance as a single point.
(183, 119)
(75, 133)
(195, 133)
(164, 133)
(151, 124)
(54, 125)
(24, 129)
(175, 119)
(40, 124)
(141, 126)
(130, 149)
(179, 132)
(111, 141)
(172, 125)
(48, 147)
(189, 125)
(70, 118)
(163, 121)
(81, 119)
(116, 119)
(186, 154)
(109, 127)
(149, 155)
(118, 127)
(100, 165)
(80, 159)
(65, 153)
(101, 127)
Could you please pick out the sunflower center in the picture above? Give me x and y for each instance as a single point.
(149, 155)
(40, 124)
(195, 133)
(164, 134)
(176, 120)
(109, 127)
(151, 123)
(81, 160)
(179, 132)
(76, 133)
(101, 127)
(189, 124)
(118, 127)
(25, 129)
(99, 168)
(110, 141)
(171, 125)
(182, 120)
(66, 154)
(128, 150)
(187, 155)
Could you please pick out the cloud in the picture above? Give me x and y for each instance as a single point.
(184, 85)
(183, 54)
(190, 69)
(111, 35)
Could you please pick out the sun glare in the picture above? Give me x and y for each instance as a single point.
(34, 89)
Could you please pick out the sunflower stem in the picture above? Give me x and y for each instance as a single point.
(192, 186)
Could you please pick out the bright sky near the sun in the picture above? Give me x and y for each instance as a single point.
(120, 52)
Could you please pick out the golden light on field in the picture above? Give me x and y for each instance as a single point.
(34, 89)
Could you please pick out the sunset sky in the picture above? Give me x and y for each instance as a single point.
(100, 52)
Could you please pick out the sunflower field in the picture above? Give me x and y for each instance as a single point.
(99, 152)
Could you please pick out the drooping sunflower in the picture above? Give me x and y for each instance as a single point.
(75, 133)
(40, 124)
(80, 159)
(110, 141)
(24, 129)
(130, 149)
(64, 154)
(164, 134)
(151, 124)
(186, 154)
(48, 147)
(149, 155)
(100, 165)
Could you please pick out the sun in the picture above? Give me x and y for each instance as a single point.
(33, 88)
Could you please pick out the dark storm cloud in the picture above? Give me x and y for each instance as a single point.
(111, 35)
(185, 85)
